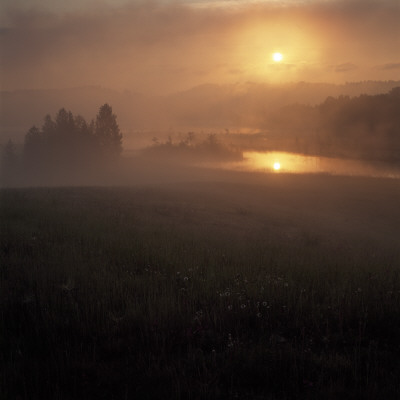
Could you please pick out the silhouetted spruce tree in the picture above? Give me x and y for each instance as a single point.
(107, 133)
(65, 123)
(86, 147)
(65, 141)
(48, 127)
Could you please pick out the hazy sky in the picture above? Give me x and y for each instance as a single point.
(163, 46)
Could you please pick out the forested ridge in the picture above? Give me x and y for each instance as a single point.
(365, 126)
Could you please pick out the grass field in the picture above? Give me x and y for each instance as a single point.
(257, 287)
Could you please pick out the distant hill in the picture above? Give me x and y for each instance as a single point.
(210, 107)
(364, 126)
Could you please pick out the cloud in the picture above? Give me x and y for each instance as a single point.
(389, 66)
(163, 46)
(345, 67)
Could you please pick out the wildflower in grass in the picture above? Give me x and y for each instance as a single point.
(243, 306)
(259, 315)
(264, 304)
(117, 319)
(186, 278)
(230, 307)
(67, 287)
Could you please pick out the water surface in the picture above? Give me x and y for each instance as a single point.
(283, 162)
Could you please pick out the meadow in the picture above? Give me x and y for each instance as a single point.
(247, 287)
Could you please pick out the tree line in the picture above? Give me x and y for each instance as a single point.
(367, 126)
(68, 142)
(190, 149)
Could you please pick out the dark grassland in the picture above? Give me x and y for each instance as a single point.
(262, 287)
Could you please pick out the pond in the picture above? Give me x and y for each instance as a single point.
(282, 162)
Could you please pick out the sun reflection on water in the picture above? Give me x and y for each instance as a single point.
(281, 161)
(302, 164)
(277, 166)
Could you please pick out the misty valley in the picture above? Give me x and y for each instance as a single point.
(199, 200)
(204, 264)
(344, 135)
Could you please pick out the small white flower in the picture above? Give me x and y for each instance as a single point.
(67, 287)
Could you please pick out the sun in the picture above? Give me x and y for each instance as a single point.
(277, 57)
(277, 166)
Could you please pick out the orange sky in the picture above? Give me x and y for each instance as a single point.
(161, 47)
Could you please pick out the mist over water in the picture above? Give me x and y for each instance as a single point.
(200, 200)
(293, 163)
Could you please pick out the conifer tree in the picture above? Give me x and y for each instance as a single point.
(107, 132)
